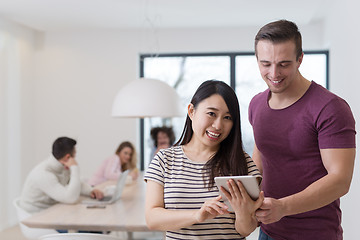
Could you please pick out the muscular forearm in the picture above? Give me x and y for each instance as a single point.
(339, 164)
(164, 220)
(318, 194)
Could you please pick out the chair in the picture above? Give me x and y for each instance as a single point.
(29, 233)
(78, 236)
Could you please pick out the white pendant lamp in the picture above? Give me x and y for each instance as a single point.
(147, 98)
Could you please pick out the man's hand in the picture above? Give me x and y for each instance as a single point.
(271, 210)
(97, 194)
(68, 162)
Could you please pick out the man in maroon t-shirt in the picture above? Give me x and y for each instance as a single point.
(304, 143)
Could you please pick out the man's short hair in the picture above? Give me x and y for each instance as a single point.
(279, 32)
(63, 146)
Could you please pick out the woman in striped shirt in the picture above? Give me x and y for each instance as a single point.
(181, 197)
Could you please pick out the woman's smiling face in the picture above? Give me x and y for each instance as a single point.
(211, 121)
(125, 155)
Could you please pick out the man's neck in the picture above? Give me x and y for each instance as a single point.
(291, 95)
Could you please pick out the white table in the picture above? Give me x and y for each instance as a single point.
(127, 214)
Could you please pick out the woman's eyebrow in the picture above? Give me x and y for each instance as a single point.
(215, 109)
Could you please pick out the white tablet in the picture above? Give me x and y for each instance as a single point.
(250, 183)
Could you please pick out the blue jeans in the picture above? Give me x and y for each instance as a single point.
(264, 236)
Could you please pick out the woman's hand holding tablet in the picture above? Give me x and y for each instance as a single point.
(250, 183)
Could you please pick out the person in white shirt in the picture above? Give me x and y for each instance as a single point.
(56, 180)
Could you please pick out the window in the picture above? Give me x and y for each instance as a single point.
(185, 72)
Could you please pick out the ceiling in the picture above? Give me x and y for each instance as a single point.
(65, 15)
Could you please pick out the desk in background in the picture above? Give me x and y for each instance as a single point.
(127, 214)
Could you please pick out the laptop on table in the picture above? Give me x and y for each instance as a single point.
(120, 185)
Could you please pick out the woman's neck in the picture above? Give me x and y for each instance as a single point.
(199, 152)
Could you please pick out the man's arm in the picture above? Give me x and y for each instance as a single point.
(339, 164)
(69, 193)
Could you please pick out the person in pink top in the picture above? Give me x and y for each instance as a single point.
(111, 168)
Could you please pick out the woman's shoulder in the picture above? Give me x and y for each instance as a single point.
(113, 157)
(169, 155)
(248, 157)
(252, 168)
(111, 160)
(166, 157)
(171, 152)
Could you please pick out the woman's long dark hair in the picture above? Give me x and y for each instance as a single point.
(229, 160)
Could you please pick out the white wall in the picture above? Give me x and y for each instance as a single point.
(77, 78)
(77, 75)
(342, 34)
(16, 62)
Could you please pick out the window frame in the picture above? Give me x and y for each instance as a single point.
(232, 56)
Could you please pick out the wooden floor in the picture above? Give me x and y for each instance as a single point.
(14, 233)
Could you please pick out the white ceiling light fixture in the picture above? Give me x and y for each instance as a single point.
(147, 97)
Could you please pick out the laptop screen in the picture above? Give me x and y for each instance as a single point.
(120, 186)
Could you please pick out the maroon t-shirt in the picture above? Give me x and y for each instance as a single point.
(289, 141)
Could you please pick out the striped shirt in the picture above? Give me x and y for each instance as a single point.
(184, 189)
